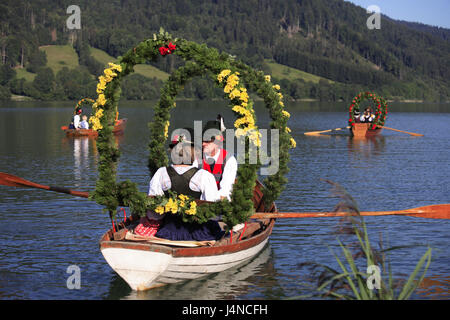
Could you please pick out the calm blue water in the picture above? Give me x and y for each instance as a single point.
(43, 233)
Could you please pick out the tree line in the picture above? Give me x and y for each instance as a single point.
(326, 38)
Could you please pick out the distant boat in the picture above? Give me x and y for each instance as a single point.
(361, 130)
(148, 264)
(119, 128)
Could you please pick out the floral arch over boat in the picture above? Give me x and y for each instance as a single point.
(380, 113)
(235, 77)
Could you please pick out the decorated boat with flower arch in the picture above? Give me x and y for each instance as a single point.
(148, 262)
(119, 128)
(94, 120)
(367, 130)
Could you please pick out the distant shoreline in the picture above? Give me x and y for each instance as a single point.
(19, 98)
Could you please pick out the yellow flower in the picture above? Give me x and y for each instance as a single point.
(115, 66)
(99, 113)
(101, 99)
(288, 130)
(241, 110)
(192, 209)
(286, 114)
(223, 74)
(171, 206)
(110, 73)
(183, 197)
(102, 80)
(293, 143)
(239, 132)
(267, 78)
(227, 89)
(280, 95)
(281, 103)
(100, 87)
(255, 137)
(166, 129)
(244, 96)
(276, 87)
(235, 93)
(159, 209)
(233, 80)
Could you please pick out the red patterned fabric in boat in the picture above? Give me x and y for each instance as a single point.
(147, 228)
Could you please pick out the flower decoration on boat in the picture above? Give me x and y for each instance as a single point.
(236, 79)
(181, 205)
(108, 75)
(380, 113)
(245, 125)
(167, 49)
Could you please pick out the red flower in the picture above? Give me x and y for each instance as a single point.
(163, 51)
(171, 47)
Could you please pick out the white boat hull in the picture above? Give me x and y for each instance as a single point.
(143, 270)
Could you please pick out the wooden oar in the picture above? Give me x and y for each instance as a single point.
(7, 179)
(411, 133)
(313, 133)
(436, 211)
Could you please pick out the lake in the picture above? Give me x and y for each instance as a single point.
(44, 233)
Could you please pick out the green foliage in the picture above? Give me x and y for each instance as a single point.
(37, 60)
(199, 60)
(44, 81)
(326, 38)
(5, 94)
(6, 74)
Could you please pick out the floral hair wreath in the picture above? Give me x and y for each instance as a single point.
(235, 77)
(380, 113)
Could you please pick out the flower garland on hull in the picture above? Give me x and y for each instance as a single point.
(236, 78)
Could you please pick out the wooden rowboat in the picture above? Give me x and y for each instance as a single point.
(119, 128)
(147, 264)
(361, 130)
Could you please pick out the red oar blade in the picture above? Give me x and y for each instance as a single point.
(7, 179)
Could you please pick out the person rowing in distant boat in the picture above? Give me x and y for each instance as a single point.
(216, 159)
(185, 178)
(367, 116)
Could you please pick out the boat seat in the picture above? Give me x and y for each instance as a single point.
(250, 229)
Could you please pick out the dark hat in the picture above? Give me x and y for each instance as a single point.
(216, 128)
(182, 137)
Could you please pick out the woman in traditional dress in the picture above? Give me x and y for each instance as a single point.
(183, 177)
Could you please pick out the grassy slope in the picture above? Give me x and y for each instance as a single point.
(142, 69)
(59, 57)
(280, 71)
(22, 73)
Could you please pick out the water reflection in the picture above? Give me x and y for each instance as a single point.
(229, 284)
(367, 147)
(81, 157)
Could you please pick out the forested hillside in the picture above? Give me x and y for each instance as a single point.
(326, 38)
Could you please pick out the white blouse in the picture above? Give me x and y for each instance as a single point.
(202, 181)
(228, 175)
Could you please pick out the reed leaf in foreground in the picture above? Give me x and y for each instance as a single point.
(350, 282)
